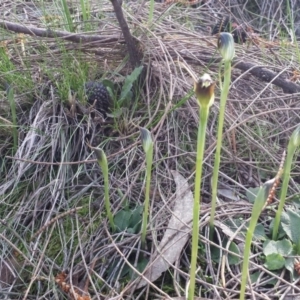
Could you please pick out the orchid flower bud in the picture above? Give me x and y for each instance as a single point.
(295, 138)
(226, 45)
(101, 157)
(146, 138)
(205, 91)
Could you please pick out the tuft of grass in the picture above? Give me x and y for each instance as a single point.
(12, 103)
(85, 9)
(68, 18)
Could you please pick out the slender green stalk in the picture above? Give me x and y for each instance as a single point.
(85, 13)
(102, 161)
(148, 148)
(286, 178)
(151, 10)
(224, 95)
(204, 111)
(293, 144)
(257, 208)
(147, 195)
(66, 11)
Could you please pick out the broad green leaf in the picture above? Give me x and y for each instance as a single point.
(110, 92)
(129, 220)
(289, 265)
(232, 259)
(136, 219)
(273, 281)
(233, 224)
(110, 87)
(291, 226)
(136, 215)
(114, 269)
(260, 233)
(283, 247)
(296, 201)
(251, 194)
(274, 261)
(125, 271)
(122, 219)
(215, 253)
(130, 79)
(281, 233)
(141, 265)
(254, 276)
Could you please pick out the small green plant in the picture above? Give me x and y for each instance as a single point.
(126, 94)
(280, 254)
(294, 143)
(147, 143)
(256, 210)
(226, 48)
(275, 253)
(102, 161)
(129, 220)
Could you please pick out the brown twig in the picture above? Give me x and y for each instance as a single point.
(135, 56)
(257, 71)
(48, 33)
(266, 75)
(73, 210)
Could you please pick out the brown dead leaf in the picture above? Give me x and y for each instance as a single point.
(176, 235)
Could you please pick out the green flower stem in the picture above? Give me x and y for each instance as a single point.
(257, 208)
(204, 111)
(67, 14)
(224, 95)
(106, 196)
(102, 161)
(286, 177)
(149, 158)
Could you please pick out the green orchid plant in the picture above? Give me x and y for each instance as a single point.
(102, 161)
(227, 51)
(147, 143)
(204, 91)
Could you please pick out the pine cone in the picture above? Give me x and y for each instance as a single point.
(97, 93)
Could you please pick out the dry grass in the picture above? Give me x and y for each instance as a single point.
(36, 189)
